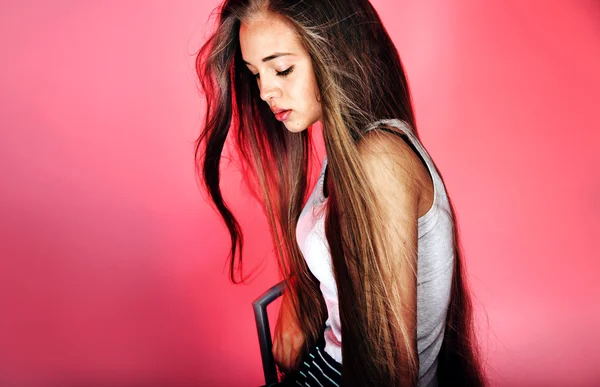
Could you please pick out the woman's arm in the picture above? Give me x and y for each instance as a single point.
(288, 337)
(397, 177)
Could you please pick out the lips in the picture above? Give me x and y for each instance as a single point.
(277, 110)
(283, 115)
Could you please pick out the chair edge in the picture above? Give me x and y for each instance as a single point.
(264, 331)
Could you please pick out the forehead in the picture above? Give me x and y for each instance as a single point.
(263, 35)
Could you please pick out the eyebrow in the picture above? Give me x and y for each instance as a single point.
(271, 57)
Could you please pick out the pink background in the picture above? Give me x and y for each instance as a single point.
(112, 264)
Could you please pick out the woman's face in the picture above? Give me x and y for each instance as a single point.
(283, 70)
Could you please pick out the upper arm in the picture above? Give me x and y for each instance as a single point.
(392, 169)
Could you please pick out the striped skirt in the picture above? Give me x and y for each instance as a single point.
(318, 369)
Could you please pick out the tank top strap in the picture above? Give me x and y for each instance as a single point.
(403, 125)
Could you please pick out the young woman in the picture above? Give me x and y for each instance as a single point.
(371, 253)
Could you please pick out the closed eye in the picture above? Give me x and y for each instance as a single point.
(286, 72)
(283, 73)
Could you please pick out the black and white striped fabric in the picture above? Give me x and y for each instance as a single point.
(318, 369)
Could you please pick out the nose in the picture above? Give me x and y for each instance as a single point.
(269, 90)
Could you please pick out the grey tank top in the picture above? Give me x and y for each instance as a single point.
(434, 267)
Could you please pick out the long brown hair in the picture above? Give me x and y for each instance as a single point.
(361, 79)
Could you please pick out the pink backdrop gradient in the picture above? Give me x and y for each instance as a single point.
(112, 265)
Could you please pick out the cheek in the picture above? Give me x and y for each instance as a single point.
(304, 94)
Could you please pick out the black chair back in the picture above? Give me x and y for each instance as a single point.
(264, 330)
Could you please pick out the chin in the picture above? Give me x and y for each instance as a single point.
(295, 126)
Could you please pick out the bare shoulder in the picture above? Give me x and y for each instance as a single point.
(390, 161)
